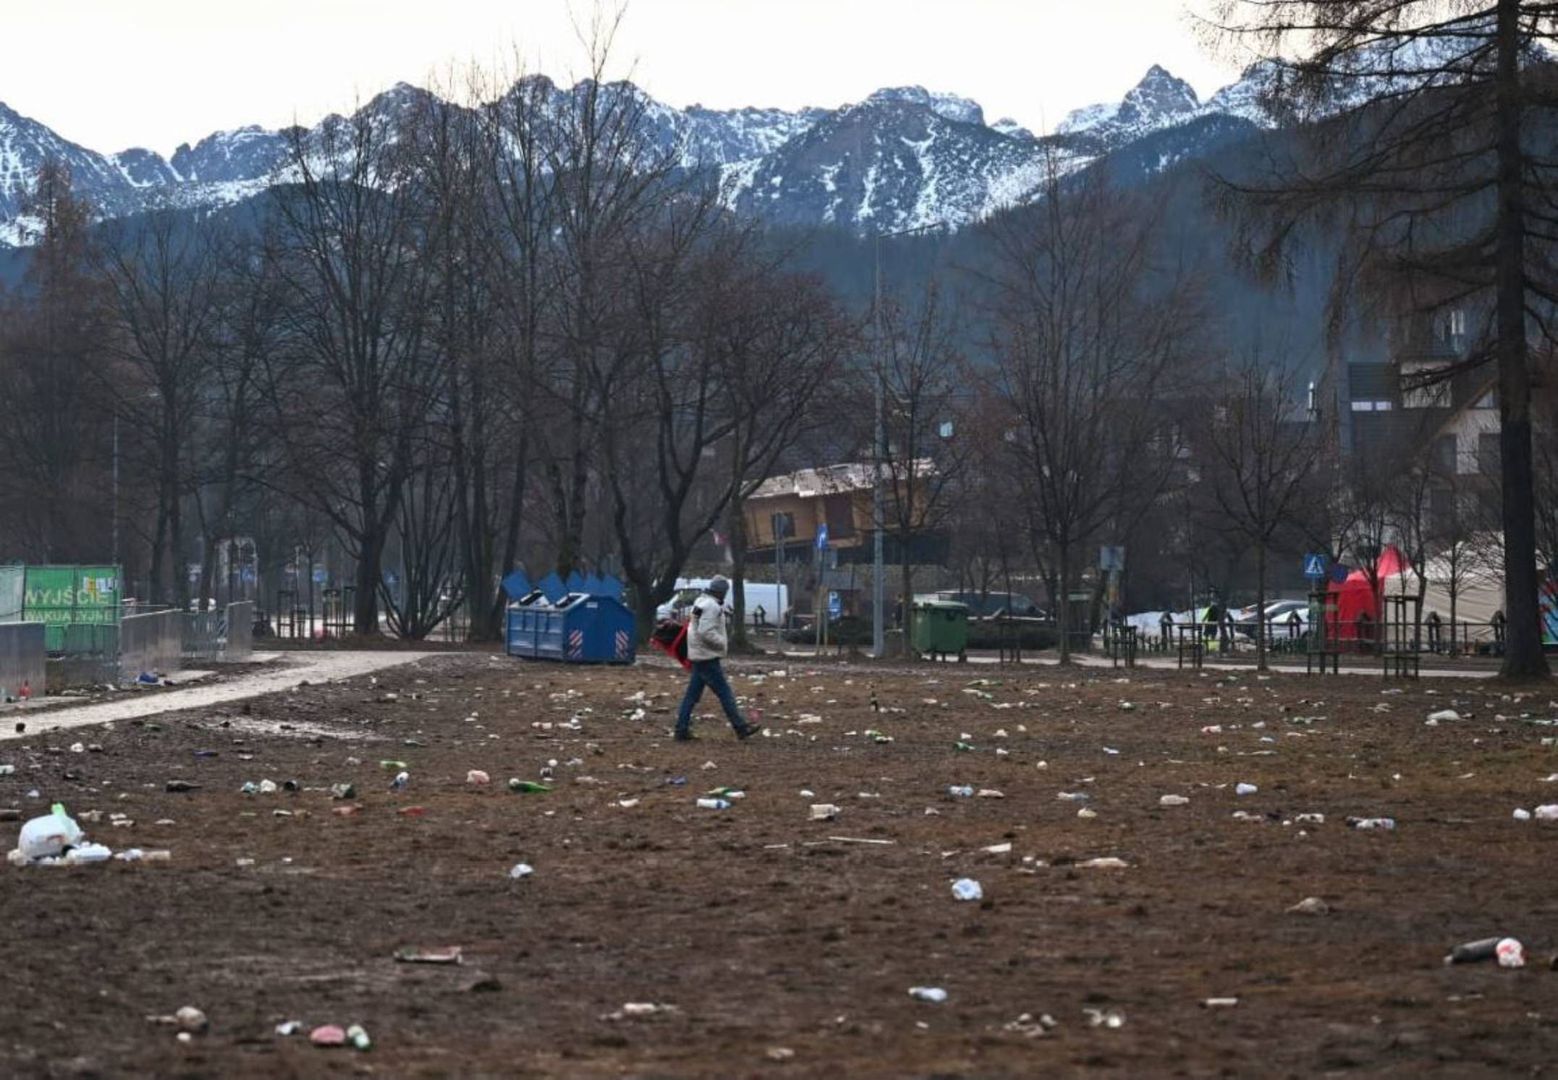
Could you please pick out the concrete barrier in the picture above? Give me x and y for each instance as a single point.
(153, 642)
(22, 659)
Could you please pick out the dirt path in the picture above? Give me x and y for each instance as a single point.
(324, 667)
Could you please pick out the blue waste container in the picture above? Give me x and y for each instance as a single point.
(580, 628)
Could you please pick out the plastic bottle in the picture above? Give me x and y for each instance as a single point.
(1473, 951)
(714, 804)
(358, 1037)
(961, 791)
(928, 993)
(401, 780)
(527, 787)
(88, 853)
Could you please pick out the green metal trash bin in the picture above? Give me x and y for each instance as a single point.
(940, 628)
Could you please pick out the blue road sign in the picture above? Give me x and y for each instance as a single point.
(822, 536)
(835, 605)
(321, 575)
(1315, 565)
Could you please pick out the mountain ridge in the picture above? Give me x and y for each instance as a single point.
(903, 157)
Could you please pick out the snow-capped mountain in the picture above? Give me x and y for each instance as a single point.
(903, 157)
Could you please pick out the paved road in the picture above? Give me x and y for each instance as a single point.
(315, 667)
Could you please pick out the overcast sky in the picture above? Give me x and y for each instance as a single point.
(110, 74)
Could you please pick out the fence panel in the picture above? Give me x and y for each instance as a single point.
(240, 630)
(204, 634)
(12, 582)
(152, 642)
(22, 659)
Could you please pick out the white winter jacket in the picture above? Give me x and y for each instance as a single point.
(706, 630)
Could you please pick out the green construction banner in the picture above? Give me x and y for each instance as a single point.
(61, 596)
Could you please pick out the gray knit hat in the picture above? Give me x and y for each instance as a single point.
(719, 587)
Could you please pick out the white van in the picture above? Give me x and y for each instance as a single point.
(773, 599)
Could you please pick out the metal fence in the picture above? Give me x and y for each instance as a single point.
(22, 660)
(240, 630)
(150, 643)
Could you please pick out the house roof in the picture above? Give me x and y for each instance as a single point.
(832, 480)
(811, 483)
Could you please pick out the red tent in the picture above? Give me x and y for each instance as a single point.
(1356, 595)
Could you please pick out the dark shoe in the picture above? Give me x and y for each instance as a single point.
(749, 731)
(685, 736)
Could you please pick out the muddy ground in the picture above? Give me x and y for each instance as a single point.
(773, 949)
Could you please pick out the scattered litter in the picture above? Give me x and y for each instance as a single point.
(1245, 789)
(961, 791)
(1547, 812)
(989, 793)
(410, 955)
(1521, 814)
(999, 849)
(1310, 905)
(521, 870)
(967, 889)
(1220, 1003)
(713, 804)
(477, 776)
(824, 812)
(1511, 954)
(1443, 716)
(934, 994)
(1387, 824)
(1087, 814)
(1173, 800)
(1108, 862)
(291, 1027)
(1111, 1018)
(779, 1053)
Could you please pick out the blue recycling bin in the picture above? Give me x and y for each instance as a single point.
(579, 628)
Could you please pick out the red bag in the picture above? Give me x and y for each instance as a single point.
(671, 637)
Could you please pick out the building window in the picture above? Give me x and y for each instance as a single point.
(1371, 406)
(1444, 453)
(1488, 453)
(839, 512)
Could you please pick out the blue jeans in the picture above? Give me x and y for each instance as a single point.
(708, 673)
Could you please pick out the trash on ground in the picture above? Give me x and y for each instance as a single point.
(477, 776)
(1108, 862)
(411, 955)
(1511, 954)
(1472, 952)
(1173, 800)
(1219, 1002)
(1109, 1018)
(824, 812)
(1310, 905)
(714, 804)
(1384, 823)
(1245, 789)
(967, 889)
(934, 994)
(49, 835)
(521, 870)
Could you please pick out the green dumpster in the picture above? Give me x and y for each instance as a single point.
(940, 627)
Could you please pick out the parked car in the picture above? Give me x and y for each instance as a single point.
(990, 604)
(773, 599)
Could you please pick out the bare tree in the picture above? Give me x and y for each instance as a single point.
(1089, 336)
(351, 391)
(1440, 188)
(161, 275)
(1260, 452)
(920, 370)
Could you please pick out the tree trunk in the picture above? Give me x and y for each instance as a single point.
(1260, 605)
(1063, 610)
(1523, 656)
(365, 616)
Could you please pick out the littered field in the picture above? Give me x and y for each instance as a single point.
(655, 938)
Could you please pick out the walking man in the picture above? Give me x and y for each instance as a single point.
(706, 643)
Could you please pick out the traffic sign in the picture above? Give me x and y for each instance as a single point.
(835, 605)
(1315, 565)
(822, 537)
(1111, 558)
(321, 575)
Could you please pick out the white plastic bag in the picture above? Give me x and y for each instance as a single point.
(49, 835)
